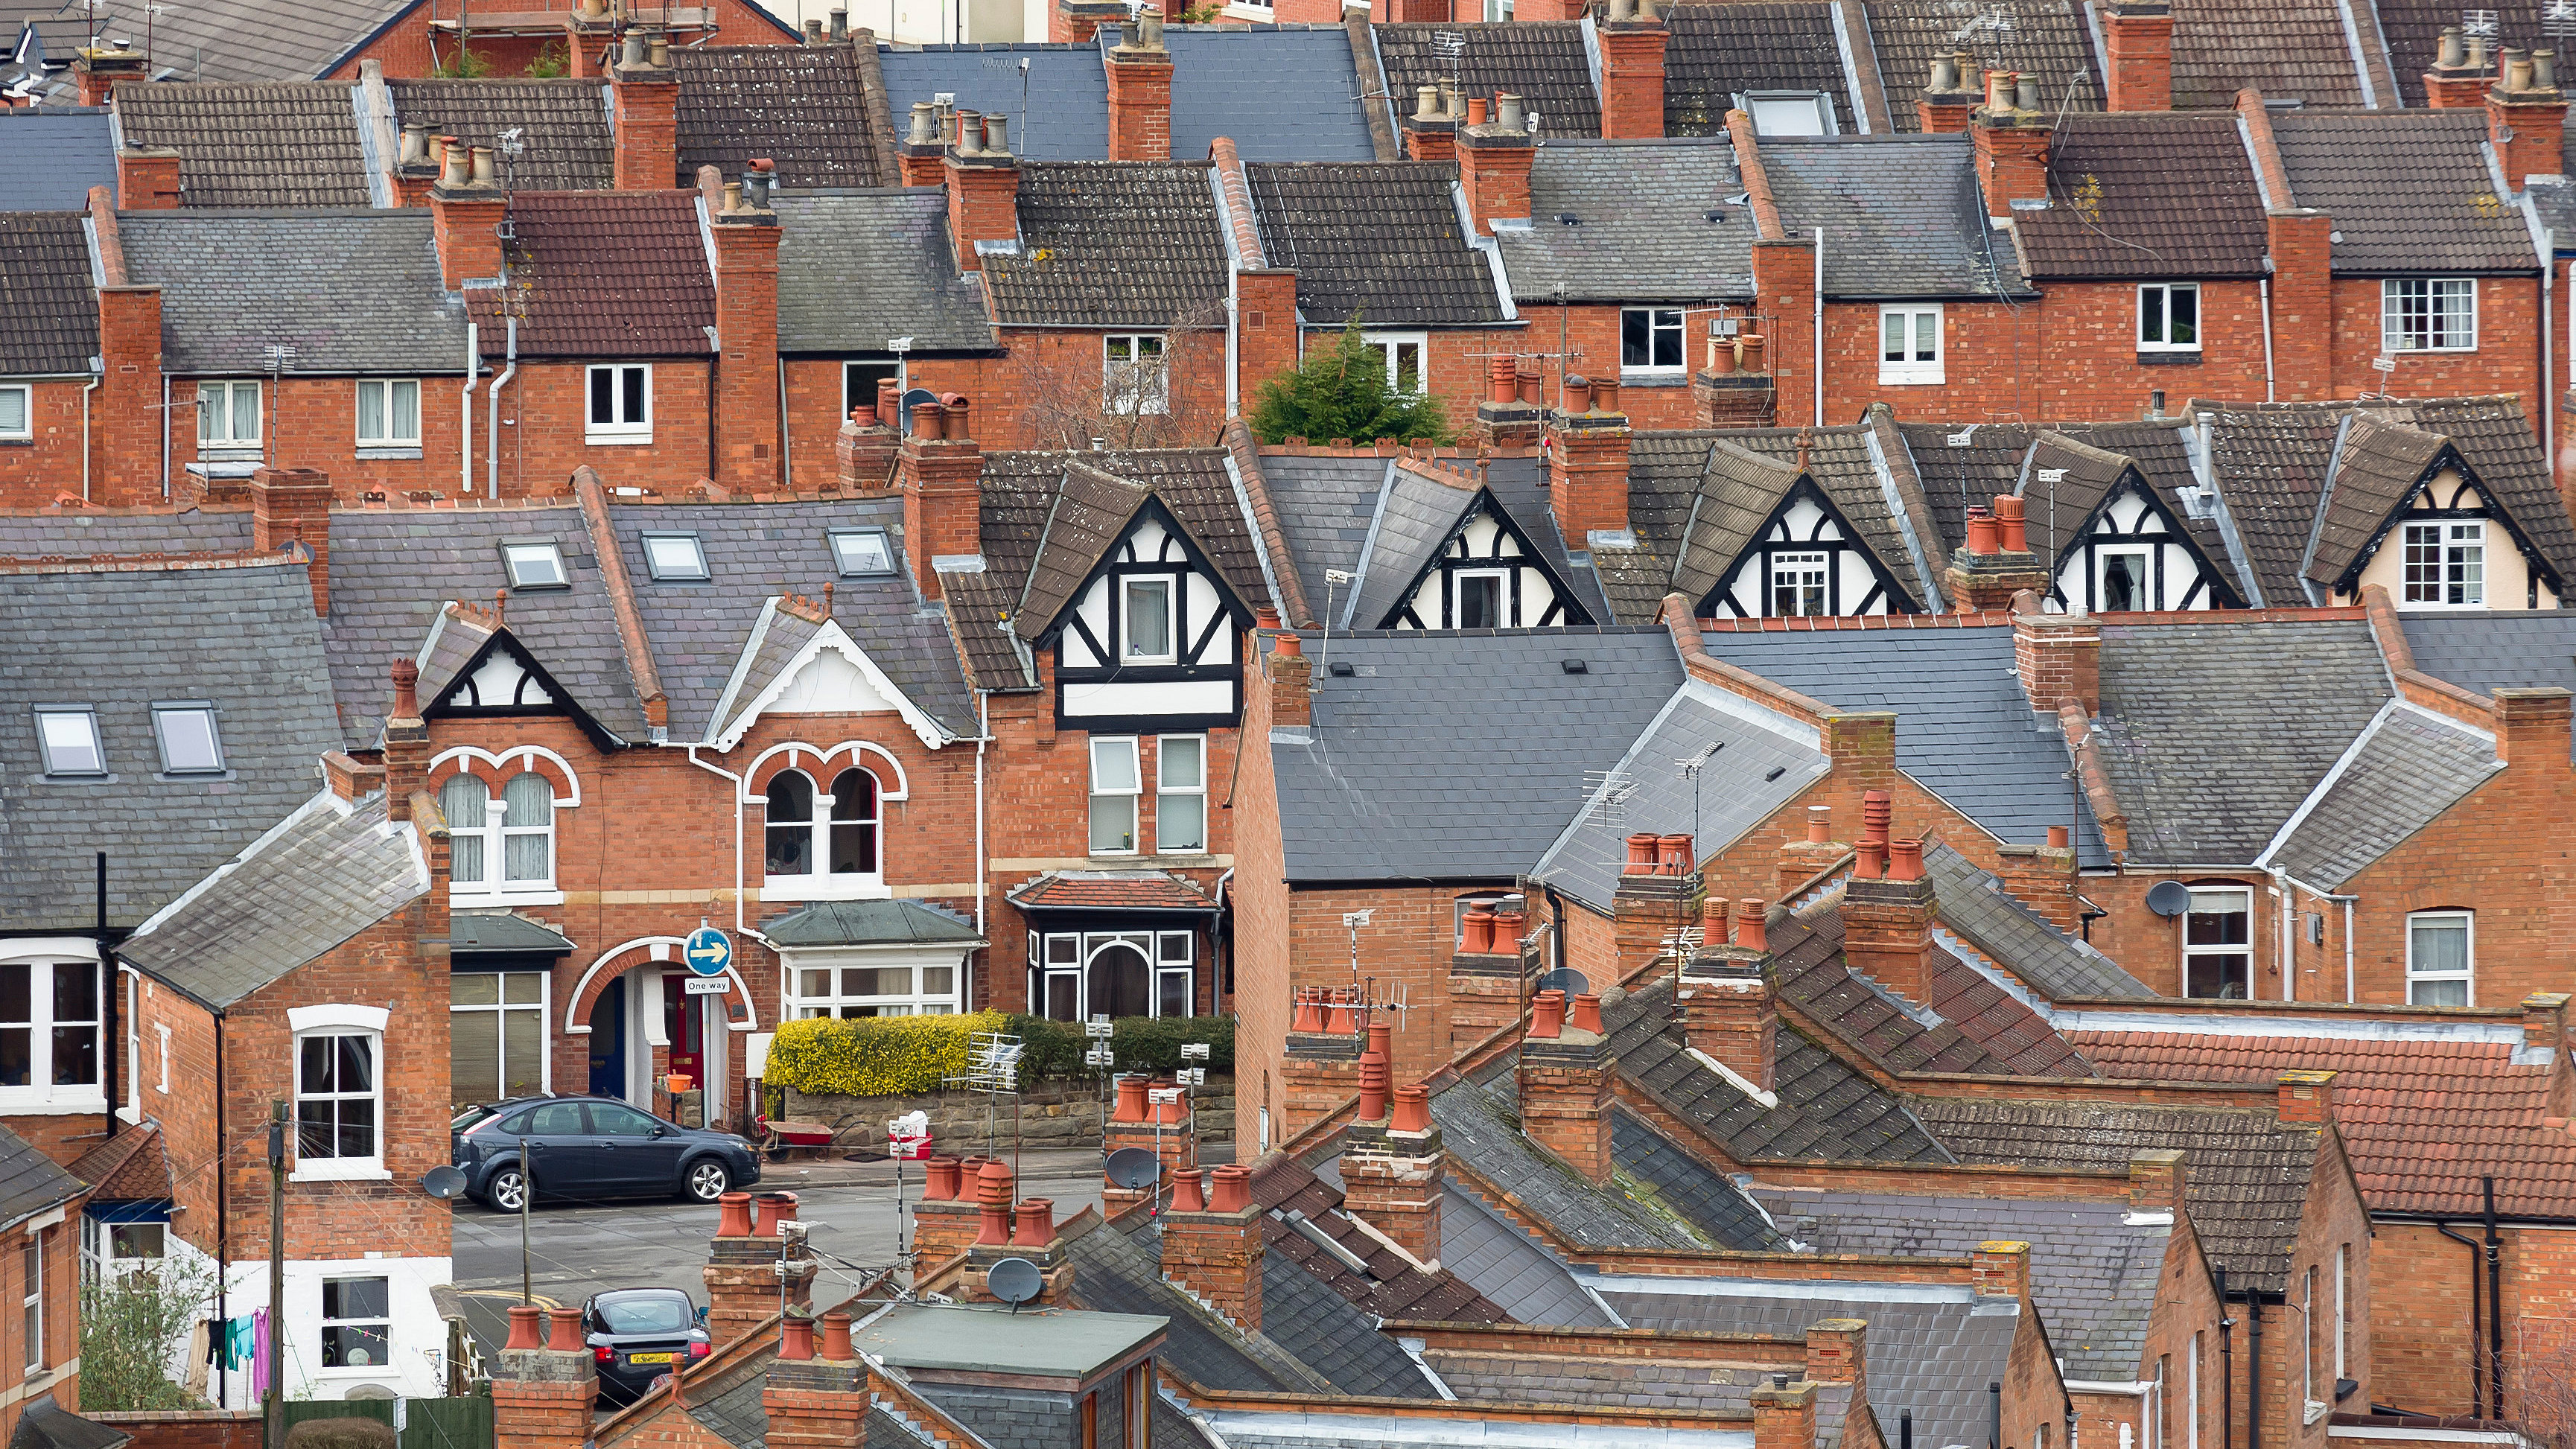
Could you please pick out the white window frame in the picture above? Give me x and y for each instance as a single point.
(1130, 385)
(2437, 303)
(66, 769)
(682, 559)
(495, 832)
(31, 1302)
(849, 547)
(2191, 1393)
(25, 431)
(130, 982)
(1767, 107)
(309, 1023)
(42, 1095)
(165, 716)
(163, 1028)
(823, 882)
(1166, 792)
(2144, 555)
(1169, 955)
(921, 998)
(2467, 976)
(385, 389)
(1171, 585)
(1176, 960)
(230, 391)
(2308, 1341)
(2457, 542)
(1132, 793)
(1911, 370)
(499, 1011)
(2155, 303)
(618, 428)
(518, 554)
(2343, 1304)
(2245, 948)
(1501, 578)
(1391, 348)
(326, 1323)
(1659, 322)
(1818, 561)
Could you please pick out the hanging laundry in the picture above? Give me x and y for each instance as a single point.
(260, 1351)
(238, 1336)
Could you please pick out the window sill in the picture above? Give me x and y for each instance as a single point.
(825, 888)
(224, 467)
(2169, 357)
(356, 1169)
(1655, 377)
(74, 1107)
(389, 454)
(2428, 351)
(15, 441)
(1910, 378)
(458, 896)
(131, 1117)
(75, 779)
(617, 439)
(2416, 608)
(2318, 1411)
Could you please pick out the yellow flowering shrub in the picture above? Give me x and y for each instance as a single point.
(873, 1056)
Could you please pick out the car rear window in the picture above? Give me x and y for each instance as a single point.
(647, 1315)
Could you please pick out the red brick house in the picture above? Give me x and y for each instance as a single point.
(48, 364)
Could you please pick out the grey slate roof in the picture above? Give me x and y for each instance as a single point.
(2489, 651)
(1499, 1376)
(1902, 214)
(804, 107)
(295, 895)
(1480, 1122)
(1065, 116)
(2410, 191)
(351, 291)
(1686, 1184)
(247, 40)
(1755, 761)
(1336, 1340)
(1974, 1027)
(471, 932)
(2092, 1273)
(1119, 1272)
(1325, 505)
(2206, 755)
(858, 268)
(1513, 1270)
(1974, 905)
(1717, 52)
(1382, 241)
(2048, 39)
(868, 923)
(1642, 228)
(74, 534)
(1546, 62)
(2409, 767)
(279, 143)
(1282, 93)
(30, 1182)
(243, 638)
(51, 156)
(1417, 512)
(563, 125)
(1460, 755)
(1108, 244)
(48, 311)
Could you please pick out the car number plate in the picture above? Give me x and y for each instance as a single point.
(648, 1358)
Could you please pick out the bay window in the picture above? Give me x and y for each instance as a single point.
(872, 989)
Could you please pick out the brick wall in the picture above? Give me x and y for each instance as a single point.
(815, 413)
(59, 1374)
(1262, 969)
(1046, 389)
(48, 466)
(407, 50)
(2086, 365)
(313, 423)
(543, 412)
(2507, 358)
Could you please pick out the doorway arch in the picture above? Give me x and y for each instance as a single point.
(1118, 981)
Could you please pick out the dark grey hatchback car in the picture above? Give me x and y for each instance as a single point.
(638, 1335)
(586, 1148)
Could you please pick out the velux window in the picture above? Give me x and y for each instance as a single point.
(2446, 564)
(189, 744)
(621, 404)
(2428, 314)
(675, 556)
(2169, 317)
(68, 737)
(858, 552)
(535, 566)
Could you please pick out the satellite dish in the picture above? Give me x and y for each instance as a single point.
(369, 1391)
(1568, 980)
(2169, 898)
(1135, 1167)
(442, 1182)
(1015, 1281)
(913, 399)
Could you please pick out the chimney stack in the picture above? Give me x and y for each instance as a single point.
(1292, 679)
(544, 1385)
(1802, 860)
(1727, 1012)
(940, 471)
(1494, 163)
(1949, 101)
(1146, 1114)
(97, 68)
(2139, 37)
(2059, 657)
(864, 453)
(1996, 561)
(465, 217)
(1216, 1251)
(2307, 1097)
(2011, 133)
(1887, 923)
(1391, 1175)
(1140, 91)
(1431, 127)
(1837, 1353)
(1651, 900)
(1587, 469)
(2544, 1025)
(1632, 39)
(2458, 79)
(946, 1219)
(2042, 877)
(1566, 1072)
(983, 187)
(745, 230)
(743, 1269)
(589, 30)
(1784, 1416)
(293, 505)
(1510, 418)
(131, 427)
(147, 180)
(2001, 1269)
(646, 92)
(1735, 388)
(2526, 116)
(406, 742)
(816, 1394)
(2156, 1181)
(1078, 22)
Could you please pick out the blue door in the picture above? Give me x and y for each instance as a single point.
(608, 1042)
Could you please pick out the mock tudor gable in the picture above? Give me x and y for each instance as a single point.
(1480, 569)
(471, 666)
(2117, 545)
(1765, 539)
(2441, 538)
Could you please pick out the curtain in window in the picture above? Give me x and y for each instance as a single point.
(791, 824)
(854, 823)
(465, 801)
(529, 828)
(405, 397)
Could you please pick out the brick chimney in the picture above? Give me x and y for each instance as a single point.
(1727, 1012)
(466, 206)
(1391, 1175)
(1510, 417)
(128, 437)
(1566, 1071)
(2544, 1021)
(589, 32)
(864, 453)
(2526, 112)
(1431, 129)
(2156, 1181)
(921, 155)
(2458, 79)
(940, 472)
(147, 180)
(1139, 1120)
(2138, 34)
(1292, 680)
(2000, 1269)
(1838, 1353)
(291, 505)
(2531, 728)
(1949, 102)
(97, 68)
(646, 92)
(2307, 1097)
(1652, 899)
(1587, 465)
(1078, 22)
(945, 1220)
(2042, 877)
(1140, 91)
(1784, 1416)
(1887, 921)
(1494, 162)
(1035, 1239)
(1802, 860)
(1632, 38)
(406, 741)
(1216, 1251)
(2059, 657)
(2011, 133)
(1996, 561)
(816, 1392)
(544, 1383)
(742, 1272)
(983, 186)
(1735, 389)
(745, 229)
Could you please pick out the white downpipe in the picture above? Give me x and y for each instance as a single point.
(2265, 284)
(465, 405)
(2347, 950)
(2282, 912)
(492, 398)
(740, 926)
(983, 736)
(85, 392)
(1820, 326)
(1233, 363)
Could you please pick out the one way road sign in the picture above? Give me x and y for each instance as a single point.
(708, 952)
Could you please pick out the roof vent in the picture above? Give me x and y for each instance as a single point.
(1341, 670)
(1567, 218)
(1576, 666)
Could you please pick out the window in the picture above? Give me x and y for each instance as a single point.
(2169, 317)
(17, 412)
(1133, 376)
(335, 1097)
(1401, 352)
(2446, 564)
(68, 735)
(1496, 12)
(2122, 581)
(1789, 113)
(2439, 958)
(535, 566)
(31, 1268)
(1084, 975)
(861, 551)
(2308, 1338)
(674, 556)
(1114, 787)
(1798, 583)
(227, 415)
(873, 990)
(189, 745)
(2159, 1433)
(1180, 794)
(496, 1033)
(1174, 972)
(840, 831)
(357, 1322)
(621, 404)
(2191, 1397)
(2343, 1307)
(2217, 958)
(519, 837)
(1650, 341)
(859, 386)
(49, 1022)
(1480, 600)
(104, 1245)
(2428, 314)
(388, 413)
(1909, 344)
(1145, 608)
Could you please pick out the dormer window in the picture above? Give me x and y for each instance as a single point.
(536, 565)
(68, 735)
(1145, 607)
(859, 552)
(675, 557)
(2446, 564)
(189, 744)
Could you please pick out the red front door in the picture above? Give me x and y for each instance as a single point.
(684, 1022)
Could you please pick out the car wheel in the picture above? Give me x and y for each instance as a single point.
(508, 1190)
(707, 1180)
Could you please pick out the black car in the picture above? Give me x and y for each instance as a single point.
(639, 1334)
(585, 1148)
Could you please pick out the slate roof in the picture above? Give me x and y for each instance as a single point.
(856, 269)
(1976, 1027)
(1092, 512)
(2245, 1174)
(473, 932)
(297, 893)
(30, 1183)
(1383, 241)
(1974, 906)
(1545, 62)
(351, 291)
(2410, 191)
(1716, 52)
(1418, 511)
(803, 106)
(1108, 244)
(243, 638)
(2299, 50)
(869, 923)
(1503, 1376)
(2205, 755)
(1063, 117)
(1307, 1319)
(1111, 890)
(246, 40)
(1688, 1185)
(2092, 1273)
(1984, 460)
(51, 156)
(2422, 1119)
(1902, 214)
(2413, 32)
(277, 143)
(621, 275)
(2047, 39)
(2409, 767)
(1282, 93)
(48, 312)
(1509, 1268)
(75, 534)
(1825, 1109)
(563, 125)
(1963, 725)
(1390, 1287)
(1122, 1272)
(1460, 755)
(2146, 194)
(1642, 228)
(1325, 506)
(2488, 651)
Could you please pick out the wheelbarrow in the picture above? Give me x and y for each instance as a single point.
(778, 1138)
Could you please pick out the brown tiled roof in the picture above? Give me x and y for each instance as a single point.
(1111, 890)
(2410, 191)
(1089, 517)
(2043, 38)
(562, 123)
(2414, 32)
(132, 1166)
(1111, 244)
(2146, 194)
(2270, 465)
(1391, 1288)
(1380, 240)
(620, 274)
(1542, 61)
(2287, 49)
(48, 314)
(2379, 464)
(805, 107)
(278, 143)
(1718, 51)
(2007, 1039)
(2422, 1120)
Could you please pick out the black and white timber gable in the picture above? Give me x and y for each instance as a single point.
(2117, 544)
(471, 666)
(1449, 555)
(2404, 510)
(1766, 539)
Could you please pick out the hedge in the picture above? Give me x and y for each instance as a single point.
(903, 1056)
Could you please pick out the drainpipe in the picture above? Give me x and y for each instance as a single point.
(2253, 1370)
(2495, 1304)
(2477, 1311)
(492, 399)
(85, 392)
(1233, 346)
(465, 407)
(1995, 1416)
(2226, 1366)
(1820, 331)
(786, 460)
(165, 432)
(983, 736)
(736, 794)
(2265, 284)
(2347, 949)
(2282, 913)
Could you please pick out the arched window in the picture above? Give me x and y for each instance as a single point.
(528, 832)
(505, 849)
(834, 834)
(791, 824)
(467, 804)
(854, 823)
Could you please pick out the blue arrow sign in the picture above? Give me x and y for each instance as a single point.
(708, 952)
